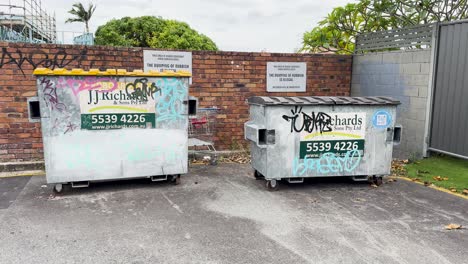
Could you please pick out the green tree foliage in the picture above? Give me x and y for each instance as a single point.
(337, 32)
(81, 14)
(154, 32)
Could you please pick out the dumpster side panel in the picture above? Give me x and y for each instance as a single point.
(111, 127)
(281, 154)
(326, 140)
(252, 130)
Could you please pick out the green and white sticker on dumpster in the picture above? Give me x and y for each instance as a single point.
(114, 105)
(334, 133)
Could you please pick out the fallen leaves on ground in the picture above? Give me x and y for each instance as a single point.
(243, 158)
(438, 178)
(453, 189)
(374, 185)
(398, 167)
(465, 192)
(197, 161)
(453, 226)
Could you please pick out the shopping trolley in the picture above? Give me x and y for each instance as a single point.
(201, 132)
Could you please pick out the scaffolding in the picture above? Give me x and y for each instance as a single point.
(26, 21)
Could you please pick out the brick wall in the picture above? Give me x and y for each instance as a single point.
(221, 79)
(227, 79)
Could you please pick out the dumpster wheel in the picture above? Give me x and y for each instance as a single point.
(272, 185)
(258, 175)
(58, 188)
(214, 161)
(377, 180)
(175, 179)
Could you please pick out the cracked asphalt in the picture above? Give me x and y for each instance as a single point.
(221, 214)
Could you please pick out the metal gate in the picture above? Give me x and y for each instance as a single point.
(449, 125)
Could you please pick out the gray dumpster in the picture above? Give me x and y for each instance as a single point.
(293, 138)
(107, 125)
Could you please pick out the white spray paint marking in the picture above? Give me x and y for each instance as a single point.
(174, 205)
(276, 220)
(312, 233)
(99, 201)
(426, 205)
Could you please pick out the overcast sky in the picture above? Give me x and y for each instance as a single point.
(238, 25)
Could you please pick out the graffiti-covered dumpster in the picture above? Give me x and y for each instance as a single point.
(108, 125)
(293, 138)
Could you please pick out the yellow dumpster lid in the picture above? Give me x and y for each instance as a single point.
(110, 72)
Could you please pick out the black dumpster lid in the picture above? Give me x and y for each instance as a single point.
(322, 100)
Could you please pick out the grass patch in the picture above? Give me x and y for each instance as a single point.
(442, 171)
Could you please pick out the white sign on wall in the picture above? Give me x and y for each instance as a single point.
(286, 76)
(167, 60)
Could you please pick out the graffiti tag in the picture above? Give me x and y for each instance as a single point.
(140, 89)
(86, 156)
(170, 104)
(88, 84)
(70, 127)
(319, 122)
(328, 163)
(50, 95)
(40, 58)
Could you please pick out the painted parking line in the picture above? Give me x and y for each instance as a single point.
(433, 187)
(10, 189)
(21, 173)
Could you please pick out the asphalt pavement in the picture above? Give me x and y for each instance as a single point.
(221, 214)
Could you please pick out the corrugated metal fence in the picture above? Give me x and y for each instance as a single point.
(449, 124)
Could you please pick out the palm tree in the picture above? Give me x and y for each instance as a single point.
(81, 14)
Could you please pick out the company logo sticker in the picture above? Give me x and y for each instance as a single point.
(381, 119)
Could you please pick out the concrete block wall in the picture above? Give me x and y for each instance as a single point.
(221, 79)
(404, 75)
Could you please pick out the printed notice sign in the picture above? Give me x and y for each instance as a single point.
(333, 133)
(167, 60)
(286, 76)
(114, 104)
